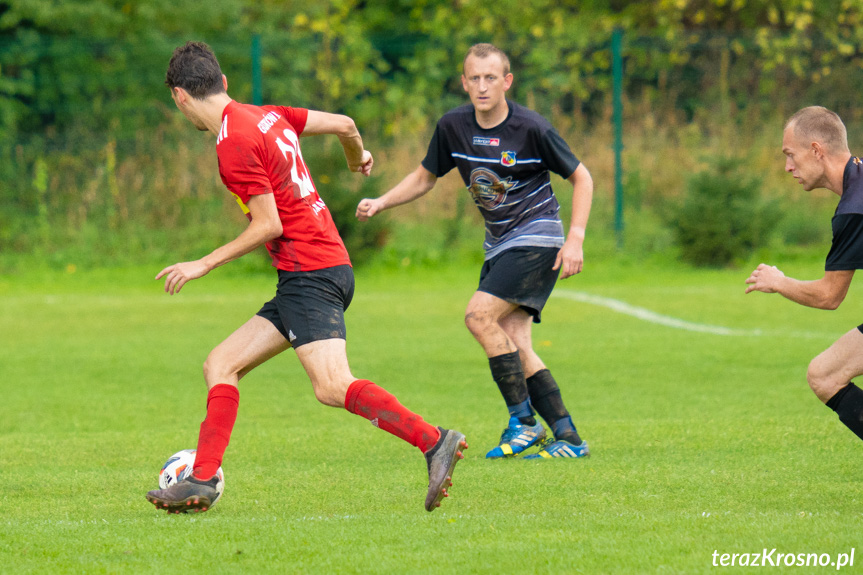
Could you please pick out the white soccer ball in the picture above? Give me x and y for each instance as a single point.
(179, 466)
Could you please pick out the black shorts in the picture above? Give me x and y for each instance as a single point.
(310, 306)
(522, 276)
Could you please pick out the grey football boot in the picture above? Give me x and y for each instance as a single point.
(190, 494)
(441, 461)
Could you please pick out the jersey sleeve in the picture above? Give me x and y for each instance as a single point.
(241, 164)
(556, 154)
(846, 253)
(438, 159)
(297, 117)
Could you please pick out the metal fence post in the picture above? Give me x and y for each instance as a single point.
(617, 74)
(257, 79)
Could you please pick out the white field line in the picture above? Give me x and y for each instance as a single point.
(673, 322)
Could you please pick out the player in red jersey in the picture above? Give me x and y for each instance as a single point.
(261, 164)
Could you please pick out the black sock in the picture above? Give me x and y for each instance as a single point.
(545, 398)
(508, 374)
(848, 405)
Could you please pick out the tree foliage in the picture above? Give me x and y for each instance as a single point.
(100, 62)
(82, 80)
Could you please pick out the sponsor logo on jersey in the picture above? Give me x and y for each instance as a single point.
(268, 121)
(488, 189)
(481, 141)
(507, 159)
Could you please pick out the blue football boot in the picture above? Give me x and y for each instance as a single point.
(516, 438)
(561, 448)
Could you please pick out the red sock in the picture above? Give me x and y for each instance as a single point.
(384, 411)
(222, 403)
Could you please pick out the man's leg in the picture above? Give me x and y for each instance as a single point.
(483, 316)
(326, 363)
(543, 390)
(253, 343)
(830, 375)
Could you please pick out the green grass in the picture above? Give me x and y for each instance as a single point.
(700, 442)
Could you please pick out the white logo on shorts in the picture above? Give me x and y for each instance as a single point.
(291, 335)
(375, 422)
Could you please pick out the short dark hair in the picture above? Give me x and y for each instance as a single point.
(194, 68)
(485, 50)
(817, 123)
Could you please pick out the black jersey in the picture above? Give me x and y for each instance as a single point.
(846, 253)
(505, 169)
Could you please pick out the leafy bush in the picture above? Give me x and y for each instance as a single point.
(723, 216)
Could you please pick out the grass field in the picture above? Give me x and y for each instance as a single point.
(700, 442)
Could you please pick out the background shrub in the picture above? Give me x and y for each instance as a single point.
(723, 216)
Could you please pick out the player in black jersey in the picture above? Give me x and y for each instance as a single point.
(504, 153)
(815, 145)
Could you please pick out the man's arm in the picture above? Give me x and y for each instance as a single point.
(415, 185)
(570, 258)
(265, 226)
(826, 293)
(359, 159)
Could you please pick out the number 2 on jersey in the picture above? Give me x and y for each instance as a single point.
(299, 172)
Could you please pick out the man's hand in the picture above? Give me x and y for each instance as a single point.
(177, 275)
(369, 207)
(570, 258)
(764, 279)
(365, 165)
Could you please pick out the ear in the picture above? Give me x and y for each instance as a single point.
(818, 150)
(507, 82)
(180, 95)
(464, 83)
(225, 82)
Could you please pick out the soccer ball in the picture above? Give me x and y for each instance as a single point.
(179, 466)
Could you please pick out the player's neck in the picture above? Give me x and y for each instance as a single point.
(492, 118)
(212, 109)
(835, 173)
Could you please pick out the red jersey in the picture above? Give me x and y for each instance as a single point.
(259, 153)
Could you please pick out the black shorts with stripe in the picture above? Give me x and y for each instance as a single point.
(523, 276)
(310, 306)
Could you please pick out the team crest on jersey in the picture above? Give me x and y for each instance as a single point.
(507, 159)
(857, 161)
(487, 188)
(481, 141)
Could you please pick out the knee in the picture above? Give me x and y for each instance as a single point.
(210, 367)
(821, 380)
(216, 370)
(476, 322)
